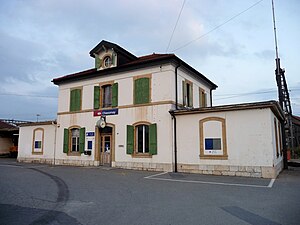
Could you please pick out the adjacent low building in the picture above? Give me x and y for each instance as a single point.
(153, 113)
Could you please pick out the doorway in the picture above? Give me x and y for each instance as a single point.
(105, 146)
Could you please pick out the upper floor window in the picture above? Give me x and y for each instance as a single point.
(106, 95)
(142, 90)
(202, 98)
(106, 92)
(75, 100)
(187, 90)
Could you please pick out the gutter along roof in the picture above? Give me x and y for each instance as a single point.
(273, 105)
(140, 62)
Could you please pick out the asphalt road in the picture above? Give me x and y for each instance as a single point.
(42, 194)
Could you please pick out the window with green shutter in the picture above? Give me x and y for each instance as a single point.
(74, 140)
(130, 139)
(81, 140)
(66, 141)
(142, 140)
(142, 90)
(153, 139)
(96, 97)
(75, 100)
(114, 101)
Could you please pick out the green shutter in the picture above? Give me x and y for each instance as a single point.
(184, 93)
(142, 90)
(153, 139)
(81, 140)
(72, 100)
(130, 139)
(75, 100)
(78, 99)
(98, 62)
(205, 100)
(66, 141)
(114, 102)
(96, 97)
(191, 95)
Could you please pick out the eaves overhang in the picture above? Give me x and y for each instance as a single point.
(273, 105)
(140, 63)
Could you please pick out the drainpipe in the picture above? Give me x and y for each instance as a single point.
(175, 141)
(211, 100)
(176, 86)
(55, 132)
(174, 118)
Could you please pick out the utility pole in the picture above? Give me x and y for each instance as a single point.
(284, 101)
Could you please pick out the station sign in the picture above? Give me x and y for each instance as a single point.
(106, 112)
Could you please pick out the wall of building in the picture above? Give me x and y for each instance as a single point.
(183, 75)
(5, 144)
(250, 144)
(152, 114)
(27, 138)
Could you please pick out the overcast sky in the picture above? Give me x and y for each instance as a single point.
(43, 39)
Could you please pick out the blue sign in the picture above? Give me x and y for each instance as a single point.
(90, 134)
(106, 112)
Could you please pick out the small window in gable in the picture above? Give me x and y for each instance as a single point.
(107, 62)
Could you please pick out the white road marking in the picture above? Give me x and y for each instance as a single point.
(271, 183)
(11, 166)
(154, 177)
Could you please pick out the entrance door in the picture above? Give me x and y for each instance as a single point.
(105, 149)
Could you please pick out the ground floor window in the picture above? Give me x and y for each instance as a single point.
(213, 138)
(38, 141)
(74, 140)
(142, 139)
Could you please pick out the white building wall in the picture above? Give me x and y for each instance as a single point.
(26, 143)
(250, 144)
(183, 75)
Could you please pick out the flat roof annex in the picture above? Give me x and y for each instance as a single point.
(273, 105)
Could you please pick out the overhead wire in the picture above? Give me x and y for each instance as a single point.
(251, 93)
(217, 27)
(27, 95)
(167, 49)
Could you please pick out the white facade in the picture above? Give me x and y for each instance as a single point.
(37, 142)
(139, 95)
(251, 145)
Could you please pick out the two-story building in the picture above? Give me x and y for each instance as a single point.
(153, 113)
